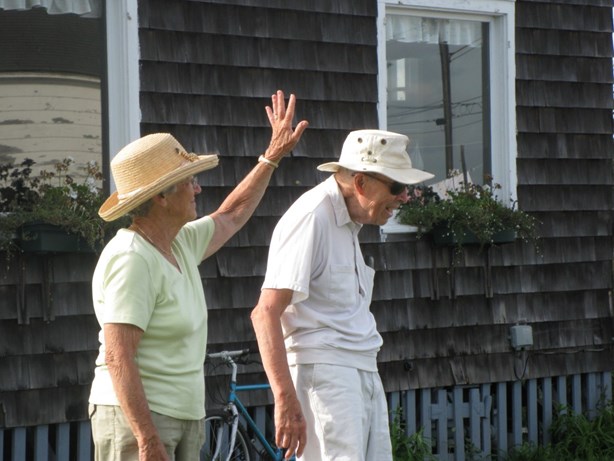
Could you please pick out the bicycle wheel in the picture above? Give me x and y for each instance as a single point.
(217, 432)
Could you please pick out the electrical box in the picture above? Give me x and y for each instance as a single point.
(521, 336)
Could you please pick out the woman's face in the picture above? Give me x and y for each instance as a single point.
(183, 200)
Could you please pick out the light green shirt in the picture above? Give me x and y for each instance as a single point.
(134, 284)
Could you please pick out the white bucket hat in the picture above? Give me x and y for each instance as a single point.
(146, 167)
(378, 151)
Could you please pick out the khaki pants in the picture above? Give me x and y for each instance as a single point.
(346, 413)
(114, 441)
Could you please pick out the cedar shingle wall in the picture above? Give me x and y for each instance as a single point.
(48, 339)
(564, 116)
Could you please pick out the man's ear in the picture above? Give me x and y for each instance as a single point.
(359, 183)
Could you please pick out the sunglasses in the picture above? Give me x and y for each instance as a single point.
(396, 188)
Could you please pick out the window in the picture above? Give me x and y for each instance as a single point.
(447, 82)
(67, 80)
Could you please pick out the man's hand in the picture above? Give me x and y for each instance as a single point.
(290, 427)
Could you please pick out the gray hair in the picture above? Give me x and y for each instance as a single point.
(143, 208)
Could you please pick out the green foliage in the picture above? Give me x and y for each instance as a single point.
(470, 209)
(414, 447)
(578, 437)
(53, 198)
(530, 452)
(575, 437)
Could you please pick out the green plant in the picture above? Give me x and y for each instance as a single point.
(52, 197)
(470, 209)
(530, 452)
(575, 437)
(414, 447)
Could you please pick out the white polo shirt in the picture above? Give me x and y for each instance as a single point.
(315, 253)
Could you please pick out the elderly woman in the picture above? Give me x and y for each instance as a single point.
(147, 397)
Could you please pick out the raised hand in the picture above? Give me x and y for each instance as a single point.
(283, 138)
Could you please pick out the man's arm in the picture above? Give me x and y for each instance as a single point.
(121, 342)
(290, 428)
(237, 208)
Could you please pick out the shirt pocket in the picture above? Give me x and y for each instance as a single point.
(343, 287)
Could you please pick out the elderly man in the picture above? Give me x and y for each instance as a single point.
(329, 399)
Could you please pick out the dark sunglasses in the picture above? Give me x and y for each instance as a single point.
(396, 188)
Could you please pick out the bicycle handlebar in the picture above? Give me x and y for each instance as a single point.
(227, 355)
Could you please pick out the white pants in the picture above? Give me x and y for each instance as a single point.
(346, 413)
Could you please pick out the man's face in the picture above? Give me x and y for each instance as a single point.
(381, 196)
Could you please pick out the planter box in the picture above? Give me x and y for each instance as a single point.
(442, 236)
(47, 238)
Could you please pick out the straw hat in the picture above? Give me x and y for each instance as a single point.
(146, 167)
(378, 151)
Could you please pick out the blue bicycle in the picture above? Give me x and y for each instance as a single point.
(226, 437)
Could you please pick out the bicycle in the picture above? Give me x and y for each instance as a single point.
(226, 438)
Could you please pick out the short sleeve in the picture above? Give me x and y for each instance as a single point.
(129, 296)
(291, 253)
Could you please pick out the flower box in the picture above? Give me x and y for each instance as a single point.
(471, 210)
(47, 238)
(443, 236)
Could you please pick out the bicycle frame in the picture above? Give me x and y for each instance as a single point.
(236, 407)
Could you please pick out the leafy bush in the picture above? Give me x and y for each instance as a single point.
(414, 447)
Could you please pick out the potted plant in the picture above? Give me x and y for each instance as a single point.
(469, 214)
(51, 211)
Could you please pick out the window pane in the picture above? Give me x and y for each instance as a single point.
(50, 88)
(438, 92)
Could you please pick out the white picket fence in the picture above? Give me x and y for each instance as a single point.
(461, 422)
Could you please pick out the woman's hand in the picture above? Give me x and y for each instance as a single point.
(283, 138)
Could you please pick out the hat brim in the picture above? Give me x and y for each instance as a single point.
(404, 176)
(114, 208)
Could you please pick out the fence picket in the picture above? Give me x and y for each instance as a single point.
(576, 393)
(41, 442)
(439, 414)
(516, 413)
(547, 409)
(18, 441)
(457, 404)
(501, 418)
(532, 411)
(62, 442)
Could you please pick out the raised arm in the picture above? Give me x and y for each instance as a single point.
(238, 207)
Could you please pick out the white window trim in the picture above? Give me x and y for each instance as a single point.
(500, 14)
(124, 115)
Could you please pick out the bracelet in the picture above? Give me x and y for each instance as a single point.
(263, 159)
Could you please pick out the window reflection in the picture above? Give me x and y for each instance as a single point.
(50, 86)
(438, 92)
